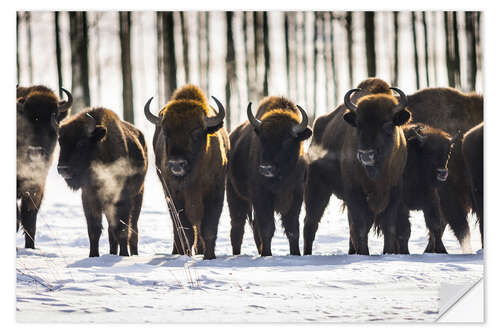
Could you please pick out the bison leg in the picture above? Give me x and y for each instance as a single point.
(263, 205)
(360, 223)
(134, 217)
(316, 197)
(93, 214)
(387, 222)
(183, 236)
(455, 213)
(210, 223)
(30, 204)
(403, 228)
(119, 225)
(291, 223)
(434, 225)
(238, 210)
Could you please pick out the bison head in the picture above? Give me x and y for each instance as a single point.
(376, 118)
(433, 148)
(186, 126)
(280, 134)
(38, 117)
(78, 140)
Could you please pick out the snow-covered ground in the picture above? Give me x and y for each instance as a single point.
(57, 282)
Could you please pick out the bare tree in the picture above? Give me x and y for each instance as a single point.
(287, 50)
(396, 48)
(207, 34)
(79, 60)
(169, 61)
(125, 20)
(18, 22)
(27, 17)
(415, 48)
(317, 18)
(479, 51)
(348, 27)
(267, 55)
(185, 46)
(230, 66)
(449, 52)
(470, 28)
(332, 55)
(426, 48)
(58, 52)
(296, 53)
(159, 56)
(371, 60)
(247, 55)
(456, 50)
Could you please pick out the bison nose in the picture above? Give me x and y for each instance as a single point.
(63, 170)
(442, 174)
(177, 166)
(35, 153)
(267, 170)
(366, 157)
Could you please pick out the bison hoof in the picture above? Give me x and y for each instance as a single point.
(93, 254)
(209, 256)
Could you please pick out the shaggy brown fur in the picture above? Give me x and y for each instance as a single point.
(472, 148)
(107, 158)
(273, 144)
(199, 193)
(37, 117)
(372, 195)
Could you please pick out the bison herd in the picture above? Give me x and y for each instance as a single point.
(383, 155)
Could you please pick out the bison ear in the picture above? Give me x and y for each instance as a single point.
(213, 129)
(305, 134)
(99, 133)
(401, 117)
(350, 117)
(61, 115)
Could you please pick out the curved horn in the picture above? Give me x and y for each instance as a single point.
(254, 121)
(403, 101)
(303, 124)
(347, 99)
(151, 117)
(219, 118)
(91, 124)
(65, 105)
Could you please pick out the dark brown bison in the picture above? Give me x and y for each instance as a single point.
(358, 152)
(472, 148)
(455, 113)
(191, 149)
(426, 170)
(266, 172)
(39, 112)
(106, 158)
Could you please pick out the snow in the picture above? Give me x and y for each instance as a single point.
(57, 282)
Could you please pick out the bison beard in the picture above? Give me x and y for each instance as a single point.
(266, 172)
(191, 149)
(38, 115)
(107, 159)
(359, 154)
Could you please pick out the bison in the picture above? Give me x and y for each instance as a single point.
(426, 170)
(358, 152)
(39, 112)
(107, 159)
(191, 150)
(266, 172)
(472, 149)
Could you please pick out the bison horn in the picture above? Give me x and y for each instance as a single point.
(254, 121)
(92, 124)
(403, 101)
(65, 105)
(303, 124)
(418, 134)
(216, 120)
(347, 99)
(151, 117)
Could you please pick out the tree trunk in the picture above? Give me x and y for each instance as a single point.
(125, 20)
(185, 46)
(415, 48)
(287, 51)
(324, 54)
(98, 71)
(458, 79)
(30, 45)
(159, 57)
(479, 50)
(257, 23)
(267, 56)
(296, 53)
(207, 34)
(18, 22)
(79, 60)
(58, 53)
(371, 60)
(246, 55)
(317, 18)
(169, 61)
(348, 26)
(201, 38)
(230, 66)
(434, 16)
(395, 78)
(426, 47)
(449, 57)
(332, 55)
(471, 50)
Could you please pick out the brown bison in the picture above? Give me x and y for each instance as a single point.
(266, 172)
(358, 152)
(472, 148)
(106, 158)
(426, 170)
(39, 112)
(191, 150)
